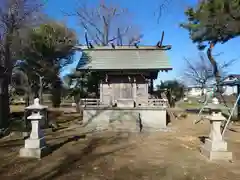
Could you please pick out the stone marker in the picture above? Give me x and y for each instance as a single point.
(35, 146)
(215, 148)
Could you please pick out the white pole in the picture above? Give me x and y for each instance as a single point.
(204, 105)
(230, 116)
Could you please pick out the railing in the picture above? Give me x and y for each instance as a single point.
(89, 102)
(150, 103)
(157, 102)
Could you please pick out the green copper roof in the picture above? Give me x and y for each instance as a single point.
(114, 59)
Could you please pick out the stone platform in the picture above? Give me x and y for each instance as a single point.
(216, 150)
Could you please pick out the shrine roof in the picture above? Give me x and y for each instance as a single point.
(124, 58)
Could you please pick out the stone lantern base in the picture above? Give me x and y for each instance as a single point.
(34, 148)
(33, 152)
(214, 150)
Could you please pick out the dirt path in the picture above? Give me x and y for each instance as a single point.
(124, 156)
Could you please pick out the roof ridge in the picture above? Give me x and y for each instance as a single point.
(99, 48)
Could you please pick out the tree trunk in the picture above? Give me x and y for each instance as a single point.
(77, 100)
(217, 74)
(40, 93)
(27, 94)
(204, 95)
(202, 90)
(27, 98)
(56, 93)
(4, 104)
(215, 66)
(7, 75)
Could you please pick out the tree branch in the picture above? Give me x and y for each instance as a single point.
(101, 21)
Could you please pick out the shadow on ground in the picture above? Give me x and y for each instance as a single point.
(81, 160)
(59, 145)
(78, 156)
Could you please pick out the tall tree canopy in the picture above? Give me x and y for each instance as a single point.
(82, 84)
(49, 48)
(213, 22)
(174, 86)
(15, 17)
(76, 83)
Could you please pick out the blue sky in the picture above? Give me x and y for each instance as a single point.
(142, 14)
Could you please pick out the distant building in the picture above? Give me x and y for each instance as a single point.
(196, 91)
(229, 90)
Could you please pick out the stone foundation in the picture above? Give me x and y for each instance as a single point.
(150, 119)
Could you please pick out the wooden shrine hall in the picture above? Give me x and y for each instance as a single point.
(127, 72)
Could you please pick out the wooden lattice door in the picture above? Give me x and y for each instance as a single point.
(123, 91)
(127, 91)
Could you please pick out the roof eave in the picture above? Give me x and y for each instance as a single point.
(124, 69)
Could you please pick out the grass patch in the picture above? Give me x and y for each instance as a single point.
(17, 108)
(193, 105)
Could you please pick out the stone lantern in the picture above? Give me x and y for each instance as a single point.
(37, 107)
(215, 148)
(35, 146)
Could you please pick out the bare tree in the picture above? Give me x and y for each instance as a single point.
(198, 72)
(164, 7)
(106, 24)
(15, 15)
(201, 72)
